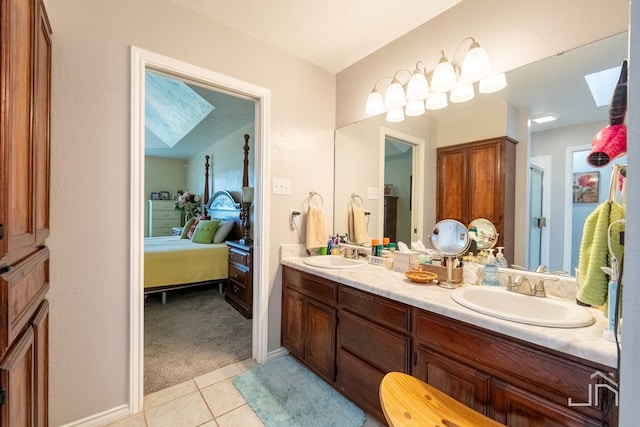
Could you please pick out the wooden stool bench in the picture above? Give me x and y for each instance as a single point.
(407, 401)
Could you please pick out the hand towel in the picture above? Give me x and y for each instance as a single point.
(357, 225)
(317, 236)
(594, 252)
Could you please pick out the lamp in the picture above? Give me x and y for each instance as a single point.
(245, 214)
(611, 141)
(402, 100)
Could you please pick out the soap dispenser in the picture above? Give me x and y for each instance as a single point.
(491, 270)
(501, 261)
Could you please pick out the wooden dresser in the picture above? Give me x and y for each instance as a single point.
(240, 287)
(25, 92)
(163, 217)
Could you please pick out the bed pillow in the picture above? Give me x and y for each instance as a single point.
(224, 228)
(205, 230)
(187, 227)
(192, 229)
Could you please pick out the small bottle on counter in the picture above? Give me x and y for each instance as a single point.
(374, 247)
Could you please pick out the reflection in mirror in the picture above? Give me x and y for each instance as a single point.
(483, 232)
(450, 237)
(553, 85)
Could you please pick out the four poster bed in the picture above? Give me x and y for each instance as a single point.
(176, 262)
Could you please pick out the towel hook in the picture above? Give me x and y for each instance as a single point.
(314, 193)
(355, 196)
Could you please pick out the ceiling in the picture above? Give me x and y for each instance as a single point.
(313, 31)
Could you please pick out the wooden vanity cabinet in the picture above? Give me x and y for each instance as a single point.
(511, 381)
(477, 180)
(309, 319)
(373, 339)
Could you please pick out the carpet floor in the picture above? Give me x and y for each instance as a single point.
(283, 393)
(196, 332)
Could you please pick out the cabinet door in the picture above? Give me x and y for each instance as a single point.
(518, 408)
(451, 176)
(17, 378)
(462, 382)
(485, 184)
(40, 324)
(320, 352)
(293, 321)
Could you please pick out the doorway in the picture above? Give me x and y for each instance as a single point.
(141, 60)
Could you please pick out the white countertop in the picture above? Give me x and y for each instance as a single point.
(586, 343)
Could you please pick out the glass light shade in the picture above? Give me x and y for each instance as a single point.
(417, 88)
(415, 108)
(493, 83)
(444, 76)
(462, 93)
(436, 102)
(395, 115)
(395, 97)
(476, 65)
(375, 103)
(247, 194)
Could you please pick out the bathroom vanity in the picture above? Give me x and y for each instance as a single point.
(352, 326)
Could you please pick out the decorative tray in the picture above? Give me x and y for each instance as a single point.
(421, 276)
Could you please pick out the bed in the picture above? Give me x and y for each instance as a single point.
(173, 262)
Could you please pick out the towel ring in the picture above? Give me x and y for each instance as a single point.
(314, 193)
(354, 197)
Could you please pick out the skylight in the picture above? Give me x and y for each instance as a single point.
(602, 83)
(172, 109)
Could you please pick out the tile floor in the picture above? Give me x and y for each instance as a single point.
(210, 400)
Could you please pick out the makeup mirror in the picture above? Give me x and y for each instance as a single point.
(451, 238)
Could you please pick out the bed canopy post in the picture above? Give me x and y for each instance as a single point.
(205, 198)
(245, 171)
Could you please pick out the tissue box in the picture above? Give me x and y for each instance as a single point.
(404, 261)
(456, 274)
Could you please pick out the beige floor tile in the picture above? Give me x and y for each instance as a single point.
(241, 417)
(222, 397)
(186, 411)
(215, 376)
(211, 423)
(136, 420)
(245, 365)
(168, 394)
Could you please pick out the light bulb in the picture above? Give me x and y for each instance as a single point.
(395, 115)
(375, 103)
(395, 96)
(476, 65)
(462, 93)
(417, 88)
(436, 101)
(415, 108)
(493, 83)
(444, 76)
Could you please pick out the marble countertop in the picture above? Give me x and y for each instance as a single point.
(586, 343)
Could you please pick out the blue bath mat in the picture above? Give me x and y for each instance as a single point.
(283, 393)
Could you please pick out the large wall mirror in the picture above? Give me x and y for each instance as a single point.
(555, 85)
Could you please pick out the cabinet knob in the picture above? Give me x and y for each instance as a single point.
(236, 288)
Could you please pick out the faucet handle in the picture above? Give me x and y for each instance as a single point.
(538, 288)
(510, 285)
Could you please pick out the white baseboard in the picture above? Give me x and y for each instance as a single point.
(102, 418)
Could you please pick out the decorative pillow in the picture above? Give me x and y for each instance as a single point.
(192, 229)
(224, 228)
(205, 230)
(187, 227)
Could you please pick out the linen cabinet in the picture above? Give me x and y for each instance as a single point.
(25, 93)
(477, 180)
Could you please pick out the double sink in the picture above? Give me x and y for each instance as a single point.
(494, 301)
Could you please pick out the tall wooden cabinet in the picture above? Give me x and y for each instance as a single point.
(25, 96)
(477, 180)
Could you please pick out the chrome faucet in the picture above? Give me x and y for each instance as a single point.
(521, 285)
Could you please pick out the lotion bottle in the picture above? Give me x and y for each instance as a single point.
(501, 261)
(491, 271)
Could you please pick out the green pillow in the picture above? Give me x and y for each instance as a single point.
(205, 230)
(187, 226)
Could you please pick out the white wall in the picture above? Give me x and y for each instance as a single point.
(90, 146)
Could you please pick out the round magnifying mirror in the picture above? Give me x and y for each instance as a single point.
(484, 233)
(451, 238)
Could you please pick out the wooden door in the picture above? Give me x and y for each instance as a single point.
(452, 189)
(17, 378)
(320, 352)
(293, 321)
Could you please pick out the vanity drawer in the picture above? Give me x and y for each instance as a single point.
(377, 309)
(315, 287)
(381, 348)
(237, 274)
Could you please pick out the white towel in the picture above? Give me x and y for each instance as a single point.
(317, 236)
(357, 225)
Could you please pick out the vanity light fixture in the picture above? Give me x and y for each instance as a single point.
(416, 95)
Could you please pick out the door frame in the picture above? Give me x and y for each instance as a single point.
(142, 59)
(544, 163)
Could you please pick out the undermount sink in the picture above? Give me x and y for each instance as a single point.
(332, 261)
(500, 303)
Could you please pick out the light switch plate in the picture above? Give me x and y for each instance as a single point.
(281, 186)
(372, 193)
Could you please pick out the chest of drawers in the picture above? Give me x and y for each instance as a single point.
(163, 217)
(240, 288)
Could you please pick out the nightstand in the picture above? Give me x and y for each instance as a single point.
(176, 231)
(240, 287)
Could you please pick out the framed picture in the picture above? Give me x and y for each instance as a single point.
(585, 187)
(155, 196)
(164, 195)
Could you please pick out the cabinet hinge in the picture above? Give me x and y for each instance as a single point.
(3, 392)
(4, 269)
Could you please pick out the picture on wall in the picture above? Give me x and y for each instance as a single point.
(585, 187)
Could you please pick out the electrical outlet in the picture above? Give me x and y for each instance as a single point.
(281, 186)
(293, 213)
